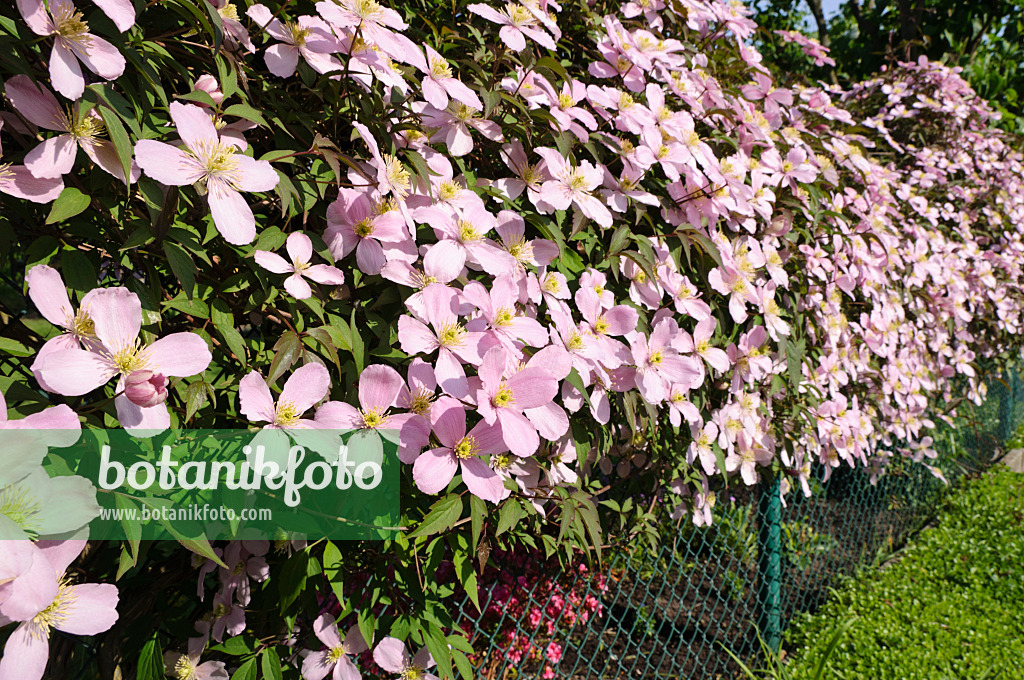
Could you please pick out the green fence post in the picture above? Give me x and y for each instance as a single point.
(769, 562)
(1006, 410)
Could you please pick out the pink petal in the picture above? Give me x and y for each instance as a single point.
(59, 417)
(322, 273)
(32, 591)
(101, 58)
(254, 175)
(117, 315)
(448, 420)
(53, 158)
(306, 386)
(195, 127)
(179, 354)
(121, 12)
(281, 59)
(459, 90)
(21, 183)
(621, 320)
(60, 554)
(326, 630)
(339, 416)
(299, 247)
(532, 387)
(414, 336)
(74, 372)
(47, 291)
(167, 164)
(550, 420)
(297, 287)
(519, 434)
(451, 377)
(65, 72)
(231, 214)
(36, 103)
(25, 654)
(379, 386)
(317, 665)
(35, 15)
(152, 419)
(255, 400)
(513, 37)
(459, 141)
(432, 472)
(370, 256)
(390, 653)
(104, 154)
(92, 610)
(482, 481)
(346, 670)
(272, 262)
(447, 257)
(434, 93)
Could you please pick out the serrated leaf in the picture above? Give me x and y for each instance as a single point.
(286, 352)
(195, 399)
(509, 515)
(443, 514)
(71, 202)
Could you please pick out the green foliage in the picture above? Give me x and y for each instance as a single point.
(948, 608)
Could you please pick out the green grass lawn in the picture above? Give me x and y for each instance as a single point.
(951, 605)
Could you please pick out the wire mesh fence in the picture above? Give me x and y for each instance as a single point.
(672, 613)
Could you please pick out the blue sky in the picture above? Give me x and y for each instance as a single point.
(830, 7)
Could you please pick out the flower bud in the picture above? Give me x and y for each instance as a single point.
(145, 388)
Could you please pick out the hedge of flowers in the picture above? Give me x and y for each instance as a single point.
(590, 259)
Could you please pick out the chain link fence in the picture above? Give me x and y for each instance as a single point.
(672, 613)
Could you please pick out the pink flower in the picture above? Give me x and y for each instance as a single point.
(499, 316)
(306, 386)
(454, 344)
(391, 655)
(378, 25)
(18, 181)
(439, 83)
(574, 185)
(72, 43)
(379, 387)
(659, 365)
(56, 156)
(353, 223)
(517, 24)
(117, 317)
(42, 599)
(464, 239)
(59, 417)
(187, 666)
(145, 388)
(435, 468)
(334, 659)
(504, 400)
(309, 36)
(452, 126)
(209, 160)
(300, 250)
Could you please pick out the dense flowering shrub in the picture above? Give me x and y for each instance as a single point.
(587, 258)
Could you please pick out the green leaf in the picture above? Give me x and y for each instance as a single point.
(247, 671)
(443, 514)
(195, 399)
(270, 662)
(367, 623)
(15, 348)
(477, 511)
(333, 570)
(293, 578)
(119, 136)
(286, 352)
(247, 112)
(151, 661)
(201, 546)
(78, 272)
(71, 202)
(509, 515)
(182, 265)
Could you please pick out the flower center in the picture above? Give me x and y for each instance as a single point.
(452, 335)
(466, 448)
(228, 11)
(601, 325)
(81, 325)
(298, 33)
(70, 24)
(217, 158)
(504, 317)
(565, 100)
(421, 401)
(220, 610)
(287, 414)
(411, 673)
(501, 462)
(577, 181)
(335, 654)
(20, 506)
(366, 9)
(57, 611)
(88, 128)
(439, 68)
(398, 176)
(530, 174)
(184, 669)
(702, 346)
(130, 359)
(519, 15)
(373, 418)
(521, 250)
(504, 397)
(575, 343)
(656, 358)
(640, 276)
(552, 284)
(364, 228)
(468, 232)
(448, 190)
(463, 112)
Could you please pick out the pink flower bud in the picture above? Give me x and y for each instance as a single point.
(145, 388)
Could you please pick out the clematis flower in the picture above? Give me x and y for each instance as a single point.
(305, 387)
(504, 400)
(18, 181)
(42, 506)
(439, 83)
(454, 344)
(300, 250)
(44, 600)
(73, 43)
(499, 317)
(574, 185)
(354, 223)
(187, 667)
(378, 25)
(452, 126)
(391, 655)
(334, 660)
(56, 156)
(117, 319)
(308, 36)
(209, 160)
(435, 468)
(659, 364)
(517, 24)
